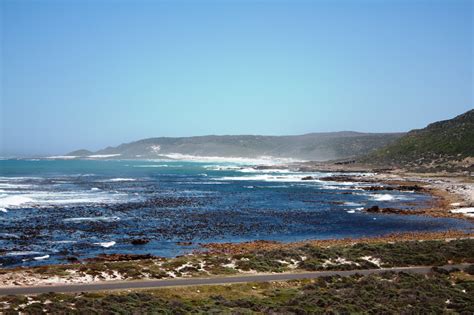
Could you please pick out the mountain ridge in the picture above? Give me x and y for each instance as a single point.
(310, 146)
(441, 145)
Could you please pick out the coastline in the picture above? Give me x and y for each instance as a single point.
(246, 247)
(449, 192)
(257, 258)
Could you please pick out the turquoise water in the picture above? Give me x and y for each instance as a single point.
(54, 209)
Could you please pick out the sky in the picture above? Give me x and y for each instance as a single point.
(89, 74)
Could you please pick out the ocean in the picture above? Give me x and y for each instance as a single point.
(52, 210)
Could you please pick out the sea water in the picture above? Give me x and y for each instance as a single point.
(52, 210)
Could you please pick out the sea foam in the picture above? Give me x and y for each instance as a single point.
(270, 178)
(267, 160)
(383, 197)
(92, 219)
(102, 156)
(106, 244)
(14, 201)
(121, 180)
(469, 212)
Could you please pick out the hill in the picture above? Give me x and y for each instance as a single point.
(82, 152)
(443, 145)
(314, 146)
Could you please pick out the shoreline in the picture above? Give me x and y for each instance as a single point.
(449, 192)
(246, 247)
(222, 259)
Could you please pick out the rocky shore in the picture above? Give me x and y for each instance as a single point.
(450, 192)
(242, 248)
(397, 250)
(453, 192)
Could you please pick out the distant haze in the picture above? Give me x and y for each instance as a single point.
(314, 146)
(89, 74)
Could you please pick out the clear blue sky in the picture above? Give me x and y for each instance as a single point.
(88, 74)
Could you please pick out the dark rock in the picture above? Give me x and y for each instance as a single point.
(345, 162)
(72, 259)
(184, 243)
(410, 188)
(140, 241)
(308, 178)
(377, 209)
(373, 209)
(390, 188)
(347, 178)
(377, 188)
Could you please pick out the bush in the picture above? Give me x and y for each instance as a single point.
(470, 270)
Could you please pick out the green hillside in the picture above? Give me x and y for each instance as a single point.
(443, 145)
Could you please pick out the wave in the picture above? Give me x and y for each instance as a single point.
(41, 257)
(14, 201)
(276, 175)
(268, 160)
(469, 212)
(383, 197)
(120, 180)
(62, 157)
(267, 171)
(48, 198)
(43, 192)
(14, 186)
(80, 198)
(333, 187)
(102, 156)
(106, 244)
(17, 178)
(388, 197)
(92, 219)
(269, 178)
(239, 168)
(22, 253)
(222, 167)
(352, 204)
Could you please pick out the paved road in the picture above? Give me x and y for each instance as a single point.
(144, 284)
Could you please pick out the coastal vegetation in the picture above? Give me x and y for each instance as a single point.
(275, 259)
(389, 293)
(442, 146)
